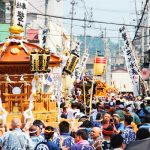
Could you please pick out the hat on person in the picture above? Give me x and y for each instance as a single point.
(116, 115)
(107, 130)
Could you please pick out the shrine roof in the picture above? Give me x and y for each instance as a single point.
(16, 53)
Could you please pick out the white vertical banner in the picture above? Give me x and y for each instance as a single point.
(131, 64)
(83, 63)
(44, 37)
(20, 14)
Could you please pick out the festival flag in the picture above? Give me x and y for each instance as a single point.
(20, 13)
(83, 63)
(131, 62)
(44, 37)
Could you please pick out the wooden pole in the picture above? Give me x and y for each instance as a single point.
(84, 94)
(91, 94)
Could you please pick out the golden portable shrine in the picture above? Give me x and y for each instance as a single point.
(100, 88)
(22, 93)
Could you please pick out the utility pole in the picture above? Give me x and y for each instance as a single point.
(46, 7)
(148, 41)
(105, 41)
(85, 17)
(12, 3)
(45, 29)
(85, 27)
(72, 17)
(148, 24)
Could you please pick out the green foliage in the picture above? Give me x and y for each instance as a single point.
(113, 47)
(94, 44)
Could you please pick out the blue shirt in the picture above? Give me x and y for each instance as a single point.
(36, 139)
(128, 135)
(47, 144)
(52, 146)
(68, 141)
(16, 140)
(120, 126)
(96, 124)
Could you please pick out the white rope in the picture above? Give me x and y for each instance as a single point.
(15, 41)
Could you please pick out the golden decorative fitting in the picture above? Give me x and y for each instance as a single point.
(20, 46)
(47, 50)
(36, 50)
(15, 29)
(15, 51)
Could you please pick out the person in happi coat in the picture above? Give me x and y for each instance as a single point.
(81, 139)
(16, 139)
(64, 139)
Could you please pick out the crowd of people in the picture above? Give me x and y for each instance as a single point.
(116, 123)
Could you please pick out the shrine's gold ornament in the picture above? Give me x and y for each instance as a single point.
(15, 29)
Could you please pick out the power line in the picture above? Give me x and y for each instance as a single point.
(77, 25)
(143, 13)
(108, 10)
(35, 8)
(90, 21)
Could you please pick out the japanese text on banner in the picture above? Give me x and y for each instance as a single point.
(130, 62)
(20, 13)
(83, 63)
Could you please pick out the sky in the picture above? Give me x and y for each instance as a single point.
(118, 11)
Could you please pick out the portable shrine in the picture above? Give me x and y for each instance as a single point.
(19, 60)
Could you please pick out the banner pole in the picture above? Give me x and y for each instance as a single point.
(84, 94)
(91, 94)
